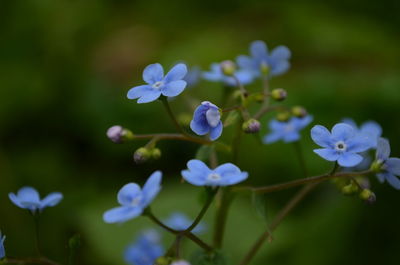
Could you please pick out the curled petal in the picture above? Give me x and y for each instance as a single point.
(128, 193)
(216, 132)
(153, 73)
(200, 127)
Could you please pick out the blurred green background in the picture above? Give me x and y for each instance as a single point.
(66, 66)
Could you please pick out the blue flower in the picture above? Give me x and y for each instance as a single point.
(207, 119)
(288, 131)
(28, 198)
(134, 200)
(342, 145)
(369, 128)
(169, 85)
(180, 222)
(2, 250)
(199, 174)
(261, 62)
(390, 166)
(145, 250)
(216, 75)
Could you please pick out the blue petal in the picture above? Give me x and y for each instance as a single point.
(245, 77)
(2, 250)
(128, 193)
(173, 88)
(393, 165)
(371, 128)
(258, 49)
(280, 68)
(153, 73)
(200, 112)
(197, 172)
(28, 194)
(245, 62)
(275, 125)
(121, 214)
(138, 91)
(215, 74)
(272, 137)
(200, 127)
(349, 159)
(14, 199)
(359, 143)
(149, 96)
(381, 177)
(177, 72)
(342, 132)
(216, 132)
(280, 53)
(350, 122)
(193, 178)
(301, 123)
(327, 154)
(51, 200)
(383, 149)
(290, 137)
(393, 181)
(234, 179)
(151, 188)
(213, 117)
(321, 136)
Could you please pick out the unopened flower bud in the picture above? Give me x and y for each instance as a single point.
(155, 153)
(376, 166)
(350, 189)
(141, 155)
(228, 67)
(118, 134)
(283, 116)
(299, 111)
(367, 196)
(251, 126)
(259, 97)
(278, 94)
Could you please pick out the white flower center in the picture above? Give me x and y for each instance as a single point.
(213, 117)
(340, 146)
(214, 177)
(158, 85)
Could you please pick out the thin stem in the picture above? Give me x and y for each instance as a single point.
(265, 105)
(245, 93)
(37, 238)
(173, 136)
(298, 182)
(165, 102)
(232, 108)
(221, 217)
(300, 157)
(42, 260)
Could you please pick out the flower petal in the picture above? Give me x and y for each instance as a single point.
(280, 53)
(177, 72)
(383, 149)
(150, 96)
(292, 136)
(197, 172)
(359, 143)
(350, 122)
(280, 68)
(321, 136)
(213, 117)
(272, 137)
(216, 132)
(371, 128)
(151, 188)
(153, 73)
(327, 154)
(173, 88)
(393, 165)
(128, 193)
(342, 132)
(138, 91)
(51, 200)
(381, 177)
(393, 181)
(245, 62)
(258, 49)
(200, 127)
(349, 159)
(121, 214)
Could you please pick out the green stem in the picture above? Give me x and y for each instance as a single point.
(37, 238)
(203, 211)
(173, 136)
(265, 106)
(165, 102)
(300, 157)
(221, 217)
(42, 260)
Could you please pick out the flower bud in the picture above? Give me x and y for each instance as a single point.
(141, 155)
(367, 196)
(228, 67)
(118, 134)
(251, 126)
(299, 111)
(259, 97)
(376, 166)
(155, 153)
(350, 189)
(283, 116)
(278, 94)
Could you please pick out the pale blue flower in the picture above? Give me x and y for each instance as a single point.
(170, 85)
(342, 144)
(207, 119)
(199, 174)
(193, 76)
(369, 128)
(390, 166)
(2, 250)
(216, 75)
(28, 198)
(261, 61)
(145, 250)
(134, 200)
(180, 222)
(287, 131)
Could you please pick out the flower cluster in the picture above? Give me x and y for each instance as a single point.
(145, 250)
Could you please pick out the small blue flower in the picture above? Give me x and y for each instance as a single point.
(207, 119)
(2, 250)
(180, 222)
(369, 128)
(145, 250)
(28, 198)
(169, 85)
(199, 174)
(193, 76)
(390, 165)
(288, 131)
(134, 200)
(216, 75)
(342, 145)
(275, 63)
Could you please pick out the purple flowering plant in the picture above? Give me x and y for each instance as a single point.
(217, 130)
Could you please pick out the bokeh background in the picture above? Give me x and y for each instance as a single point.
(66, 66)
